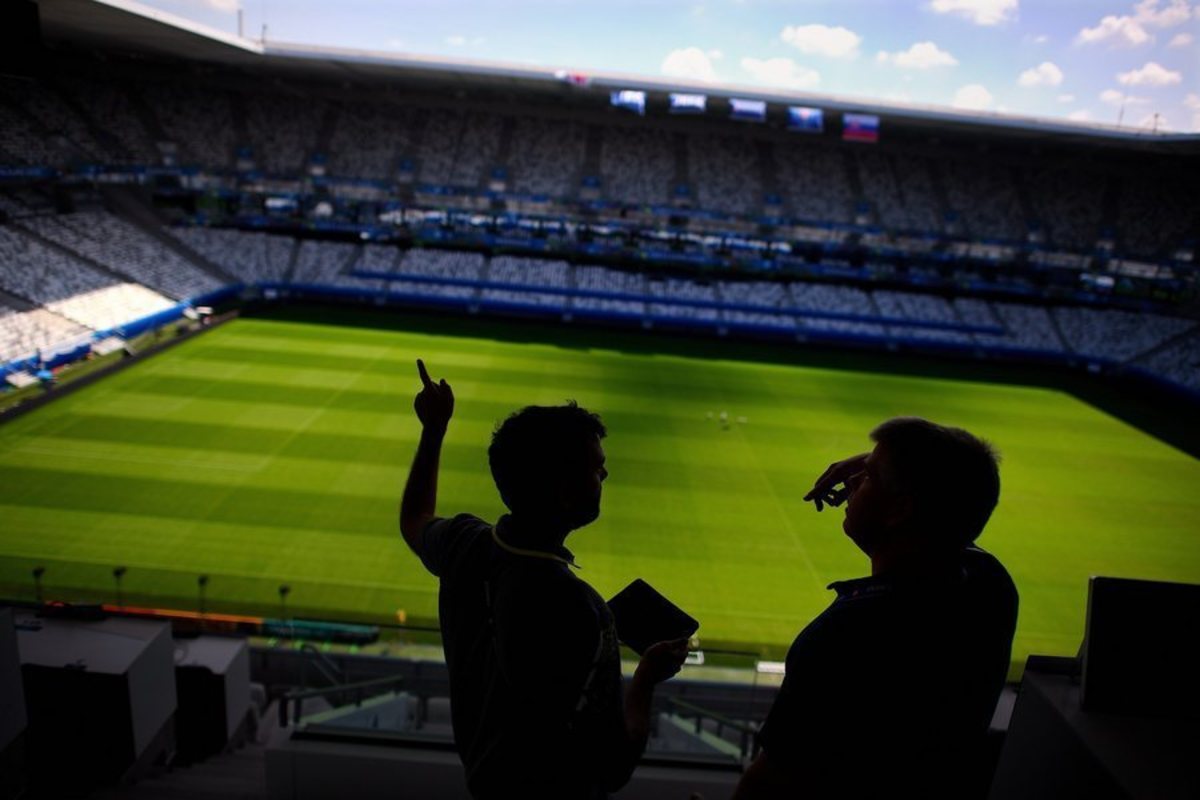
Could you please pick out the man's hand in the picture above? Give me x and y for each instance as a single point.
(434, 404)
(825, 490)
(662, 661)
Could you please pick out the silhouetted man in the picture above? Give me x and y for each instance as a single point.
(535, 675)
(888, 693)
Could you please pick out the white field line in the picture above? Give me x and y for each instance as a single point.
(787, 524)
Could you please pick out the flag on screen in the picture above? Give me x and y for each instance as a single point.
(749, 110)
(860, 127)
(573, 78)
(630, 100)
(809, 120)
(688, 103)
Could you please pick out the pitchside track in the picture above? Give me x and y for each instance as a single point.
(270, 452)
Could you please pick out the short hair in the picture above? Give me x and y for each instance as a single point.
(951, 476)
(536, 445)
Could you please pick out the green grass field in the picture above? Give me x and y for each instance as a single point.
(271, 451)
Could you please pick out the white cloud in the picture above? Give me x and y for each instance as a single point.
(922, 55)
(689, 62)
(1192, 103)
(1066, 98)
(1083, 115)
(1115, 97)
(1174, 13)
(981, 12)
(1131, 30)
(974, 96)
(822, 40)
(1155, 122)
(1046, 73)
(1153, 74)
(1182, 40)
(781, 72)
(1117, 30)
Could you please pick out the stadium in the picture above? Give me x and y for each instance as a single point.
(220, 259)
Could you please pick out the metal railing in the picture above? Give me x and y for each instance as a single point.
(346, 694)
(746, 732)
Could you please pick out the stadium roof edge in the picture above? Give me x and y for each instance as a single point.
(132, 25)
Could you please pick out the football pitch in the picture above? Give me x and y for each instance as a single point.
(273, 451)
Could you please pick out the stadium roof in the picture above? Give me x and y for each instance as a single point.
(125, 25)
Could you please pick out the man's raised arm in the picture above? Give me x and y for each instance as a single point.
(434, 405)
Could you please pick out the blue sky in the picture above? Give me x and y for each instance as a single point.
(1090, 60)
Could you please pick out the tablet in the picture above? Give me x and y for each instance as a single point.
(644, 617)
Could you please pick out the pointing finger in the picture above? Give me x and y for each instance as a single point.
(425, 379)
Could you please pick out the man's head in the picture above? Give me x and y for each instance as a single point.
(548, 464)
(922, 480)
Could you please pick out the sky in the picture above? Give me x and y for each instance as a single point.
(1105, 61)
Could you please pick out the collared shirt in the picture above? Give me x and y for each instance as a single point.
(889, 691)
(535, 675)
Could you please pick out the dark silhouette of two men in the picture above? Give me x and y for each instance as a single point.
(887, 692)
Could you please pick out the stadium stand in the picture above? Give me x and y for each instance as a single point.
(369, 141)
(1177, 361)
(433, 265)
(1068, 205)
(111, 306)
(282, 129)
(109, 106)
(529, 271)
(68, 287)
(678, 289)
(920, 308)
(55, 119)
(1115, 335)
(457, 146)
(611, 281)
(985, 198)
(327, 263)
(837, 299)
(755, 293)
(24, 333)
(251, 256)
(196, 120)
(1029, 327)
(902, 197)
(122, 248)
(637, 165)
(1157, 214)
(998, 211)
(23, 142)
(725, 174)
(814, 183)
(547, 156)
